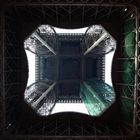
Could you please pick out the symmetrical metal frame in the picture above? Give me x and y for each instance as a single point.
(10, 82)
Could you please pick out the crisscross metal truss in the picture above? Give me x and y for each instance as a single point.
(68, 2)
(15, 124)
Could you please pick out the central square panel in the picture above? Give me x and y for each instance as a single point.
(69, 68)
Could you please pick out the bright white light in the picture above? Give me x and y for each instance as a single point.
(60, 30)
(108, 67)
(125, 9)
(131, 15)
(31, 67)
(70, 107)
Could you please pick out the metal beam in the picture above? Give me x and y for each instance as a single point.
(50, 111)
(69, 81)
(65, 81)
(91, 4)
(60, 137)
(96, 13)
(136, 121)
(3, 92)
(96, 43)
(43, 95)
(71, 56)
(64, 55)
(43, 42)
(82, 63)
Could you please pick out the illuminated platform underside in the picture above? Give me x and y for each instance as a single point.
(65, 67)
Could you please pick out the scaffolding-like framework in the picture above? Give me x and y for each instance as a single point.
(12, 88)
(74, 84)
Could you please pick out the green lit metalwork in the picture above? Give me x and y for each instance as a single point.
(97, 96)
(128, 71)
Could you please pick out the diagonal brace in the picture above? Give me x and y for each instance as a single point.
(96, 43)
(43, 42)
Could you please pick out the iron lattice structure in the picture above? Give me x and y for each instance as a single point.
(13, 64)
